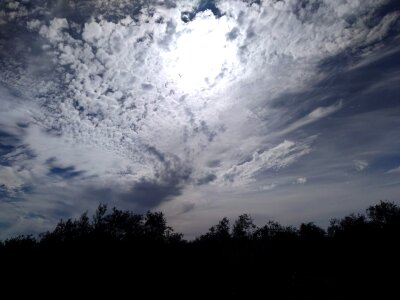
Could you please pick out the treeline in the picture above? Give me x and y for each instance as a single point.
(356, 256)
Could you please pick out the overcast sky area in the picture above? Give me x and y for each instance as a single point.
(288, 110)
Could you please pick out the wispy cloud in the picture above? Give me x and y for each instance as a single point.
(394, 170)
(315, 115)
(274, 158)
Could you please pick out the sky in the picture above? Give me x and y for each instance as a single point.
(288, 110)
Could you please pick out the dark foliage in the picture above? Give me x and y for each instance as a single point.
(117, 252)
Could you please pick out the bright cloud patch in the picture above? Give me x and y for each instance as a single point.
(202, 55)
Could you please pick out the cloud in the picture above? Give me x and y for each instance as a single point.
(206, 179)
(267, 187)
(132, 98)
(10, 178)
(274, 158)
(360, 165)
(54, 31)
(301, 180)
(394, 170)
(317, 114)
(150, 194)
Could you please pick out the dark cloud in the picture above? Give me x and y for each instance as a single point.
(233, 34)
(169, 181)
(214, 163)
(5, 225)
(147, 86)
(207, 179)
(187, 207)
(65, 173)
(150, 194)
(146, 194)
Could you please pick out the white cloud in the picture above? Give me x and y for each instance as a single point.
(381, 29)
(54, 32)
(274, 158)
(33, 24)
(124, 91)
(13, 5)
(360, 165)
(267, 187)
(315, 115)
(301, 180)
(93, 31)
(9, 177)
(394, 170)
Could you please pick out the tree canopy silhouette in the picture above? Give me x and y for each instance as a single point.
(116, 247)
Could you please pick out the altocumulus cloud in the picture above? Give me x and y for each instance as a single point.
(154, 104)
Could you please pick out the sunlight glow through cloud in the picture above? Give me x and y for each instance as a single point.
(202, 53)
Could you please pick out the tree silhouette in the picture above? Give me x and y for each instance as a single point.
(20, 243)
(121, 249)
(243, 228)
(273, 230)
(384, 214)
(219, 232)
(350, 227)
(310, 231)
(155, 226)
